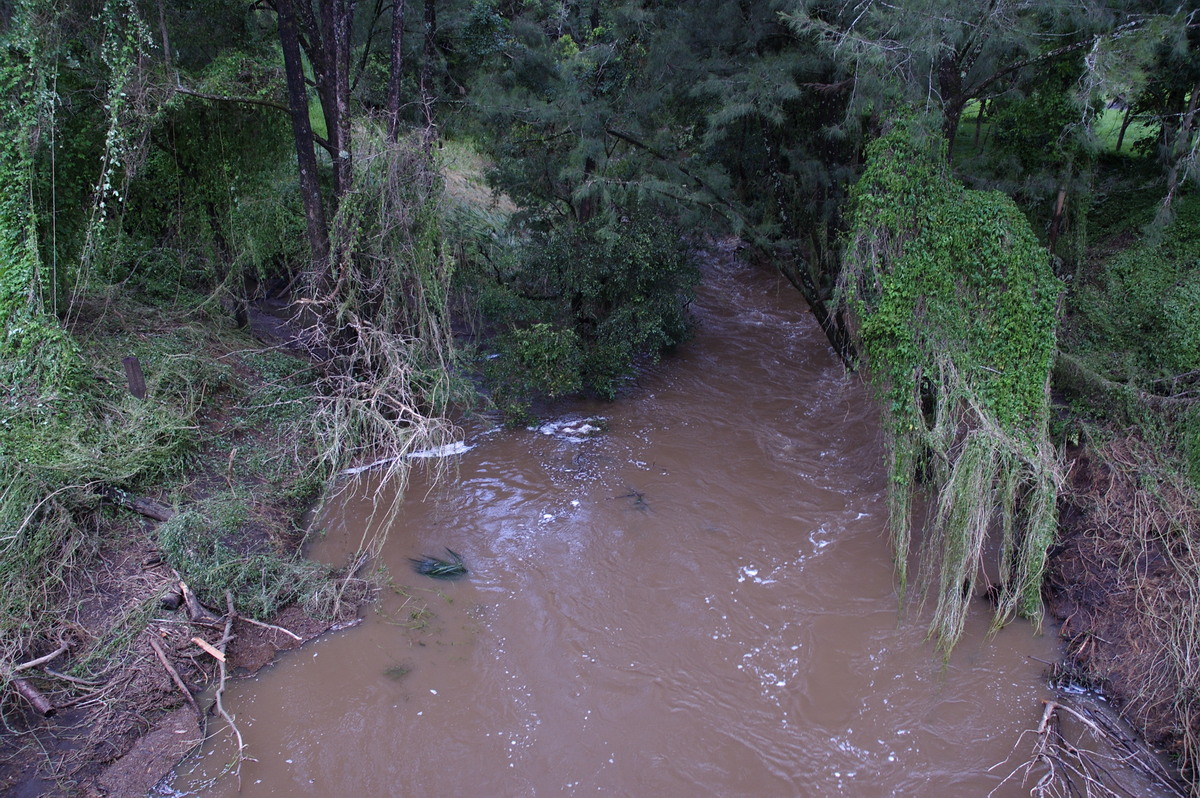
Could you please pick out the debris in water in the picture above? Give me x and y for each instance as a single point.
(639, 498)
(440, 568)
(397, 672)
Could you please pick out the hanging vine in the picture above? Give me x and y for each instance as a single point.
(955, 307)
(128, 110)
(34, 348)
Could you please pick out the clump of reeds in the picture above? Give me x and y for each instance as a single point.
(440, 567)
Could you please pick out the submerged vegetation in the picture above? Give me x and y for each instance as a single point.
(320, 231)
(439, 567)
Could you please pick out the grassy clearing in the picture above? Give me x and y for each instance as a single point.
(975, 133)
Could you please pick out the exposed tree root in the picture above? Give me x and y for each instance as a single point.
(1095, 764)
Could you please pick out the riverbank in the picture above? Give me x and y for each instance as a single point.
(99, 697)
(122, 720)
(1122, 585)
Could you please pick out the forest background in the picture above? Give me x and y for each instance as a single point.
(442, 207)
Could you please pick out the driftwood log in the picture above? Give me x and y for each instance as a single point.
(140, 505)
(34, 697)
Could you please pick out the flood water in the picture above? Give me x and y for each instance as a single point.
(696, 600)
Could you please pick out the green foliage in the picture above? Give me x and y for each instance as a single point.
(216, 204)
(580, 304)
(957, 308)
(539, 360)
(1138, 316)
(206, 545)
(1189, 444)
(1034, 130)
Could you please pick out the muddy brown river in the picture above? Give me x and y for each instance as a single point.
(696, 600)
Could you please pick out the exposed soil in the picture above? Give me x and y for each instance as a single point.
(120, 733)
(1122, 580)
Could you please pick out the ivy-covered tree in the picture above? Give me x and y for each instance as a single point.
(955, 306)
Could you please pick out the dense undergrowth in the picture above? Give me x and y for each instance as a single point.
(65, 454)
(1127, 417)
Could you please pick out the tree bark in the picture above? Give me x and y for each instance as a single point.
(310, 190)
(34, 697)
(427, 71)
(396, 71)
(336, 16)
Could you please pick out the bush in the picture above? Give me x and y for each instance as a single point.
(582, 303)
(1140, 314)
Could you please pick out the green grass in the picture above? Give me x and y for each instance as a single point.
(58, 451)
(1106, 128)
(214, 549)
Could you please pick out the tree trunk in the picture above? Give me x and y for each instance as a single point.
(427, 71)
(1124, 126)
(396, 71)
(954, 101)
(310, 190)
(336, 16)
(833, 324)
(1180, 150)
(979, 121)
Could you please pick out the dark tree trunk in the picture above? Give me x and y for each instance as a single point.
(396, 71)
(833, 323)
(310, 190)
(979, 121)
(334, 86)
(1124, 126)
(427, 70)
(953, 99)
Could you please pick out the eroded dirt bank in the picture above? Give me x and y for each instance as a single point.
(1123, 584)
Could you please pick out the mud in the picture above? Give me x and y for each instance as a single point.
(1120, 574)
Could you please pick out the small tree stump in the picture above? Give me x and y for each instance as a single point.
(133, 375)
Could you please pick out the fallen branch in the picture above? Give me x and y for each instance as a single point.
(33, 663)
(196, 611)
(457, 447)
(34, 697)
(1071, 375)
(187, 694)
(72, 679)
(271, 626)
(215, 653)
(1068, 768)
(141, 506)
(241, 746)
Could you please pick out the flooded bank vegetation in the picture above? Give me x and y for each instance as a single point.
(954, 303)
(244, 249)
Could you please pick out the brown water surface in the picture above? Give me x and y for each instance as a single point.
(698, 600)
